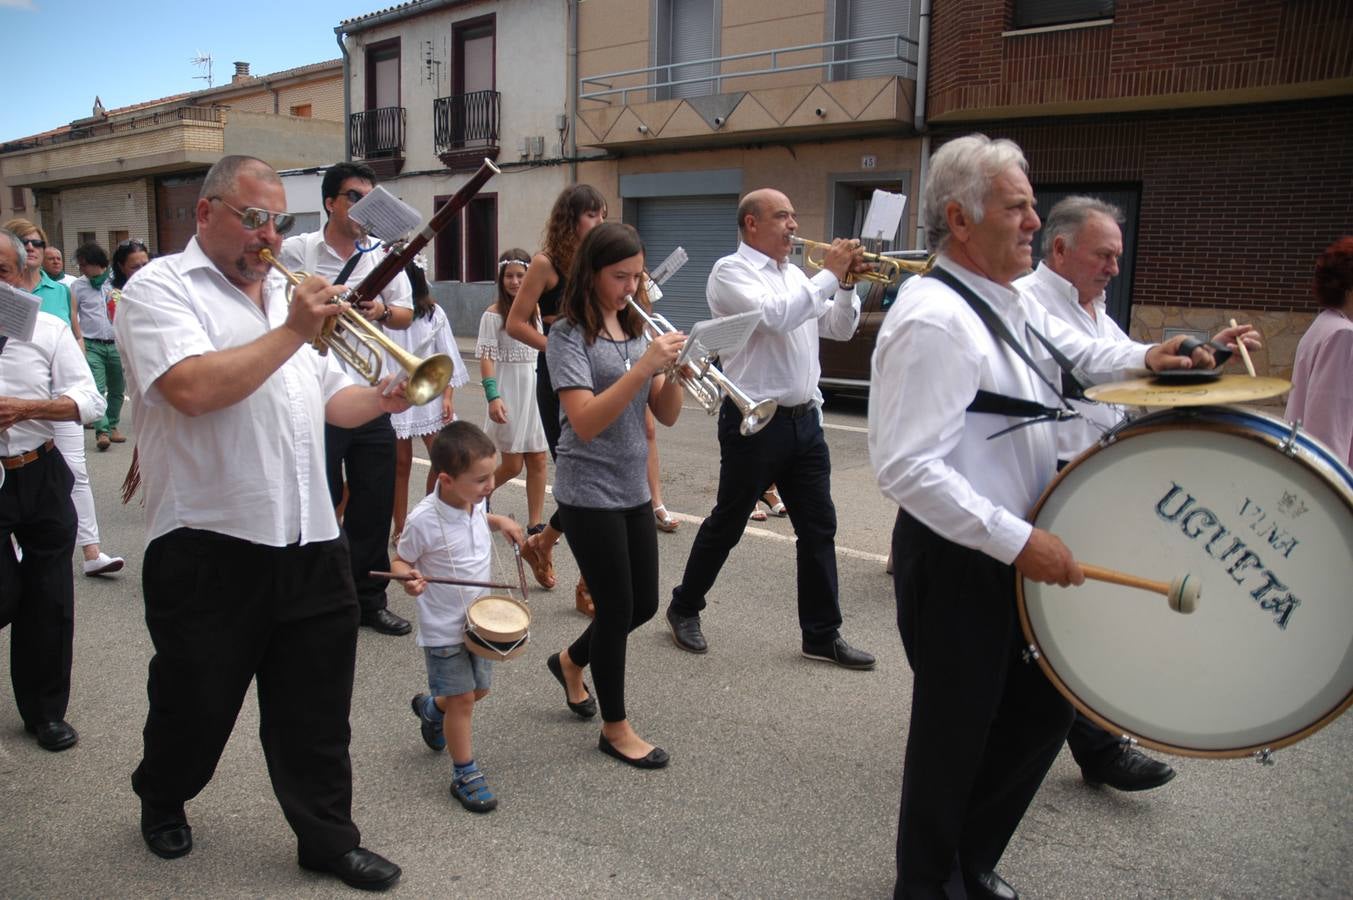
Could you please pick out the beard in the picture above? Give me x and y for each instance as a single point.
(255, 271)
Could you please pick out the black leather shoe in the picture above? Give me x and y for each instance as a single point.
(166, 832)
(54, 736)
(656, 758)
(359, 868)
(839, 652)
(1127, 769)
(988, 886)
(686, 632)
(386, 622)
(584, 709)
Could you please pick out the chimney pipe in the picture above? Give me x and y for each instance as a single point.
(241, 72)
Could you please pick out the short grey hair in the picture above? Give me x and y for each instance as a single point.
(961, 172)
(1069, 215)
(20, 254)
(222, 177)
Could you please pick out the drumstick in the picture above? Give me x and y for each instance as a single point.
(1244, 353)
(463, 582)
(1182, 594)
(521, 573)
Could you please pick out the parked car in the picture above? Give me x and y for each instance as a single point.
(845, 364)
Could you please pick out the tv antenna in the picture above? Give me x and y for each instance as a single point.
(203, 60)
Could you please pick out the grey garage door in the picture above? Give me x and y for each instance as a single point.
(707, 228)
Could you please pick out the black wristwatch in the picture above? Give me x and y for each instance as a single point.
(385, 315)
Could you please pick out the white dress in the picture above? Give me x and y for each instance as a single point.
(515, 369)
(424, 338)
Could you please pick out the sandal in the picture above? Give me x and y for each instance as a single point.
(776, 506)
(582, 599)
(472, 790)
(539, 560)
(666, 521)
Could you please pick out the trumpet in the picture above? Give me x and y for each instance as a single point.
(887, 269)
(706, 384)
(360, 344)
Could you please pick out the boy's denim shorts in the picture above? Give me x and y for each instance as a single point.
(454, 670)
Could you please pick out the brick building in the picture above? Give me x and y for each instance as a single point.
(1224, 128)
(136, 171)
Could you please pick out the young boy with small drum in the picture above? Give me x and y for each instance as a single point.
(447, 535)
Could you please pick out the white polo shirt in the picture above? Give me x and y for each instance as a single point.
(254, 470)
(445, 542)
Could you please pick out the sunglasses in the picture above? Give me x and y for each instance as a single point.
(251, 217)
(39, 243)
(353, 196)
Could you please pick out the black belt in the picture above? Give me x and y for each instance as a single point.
(797, 412)
(100, 340)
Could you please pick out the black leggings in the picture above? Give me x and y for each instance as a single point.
(548, 402)
(617, 552)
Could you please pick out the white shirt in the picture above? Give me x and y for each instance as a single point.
(254, 470)
(1061, 299)
(445, 542)
(930, 455)
(780, 360)
(311, 253)
(92, 305)
(48, 367)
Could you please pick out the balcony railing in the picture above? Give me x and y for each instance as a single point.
(465, 121)
(377, 133)
(839, 62)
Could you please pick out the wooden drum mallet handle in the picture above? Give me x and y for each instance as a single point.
(1182, 594)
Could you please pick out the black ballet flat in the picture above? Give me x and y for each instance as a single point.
(656, 758)
(585, 709)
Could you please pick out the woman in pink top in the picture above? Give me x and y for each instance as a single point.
(1322, 376)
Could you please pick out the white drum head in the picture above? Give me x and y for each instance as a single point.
(1267, 658)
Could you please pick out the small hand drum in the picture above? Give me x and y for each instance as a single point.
(497, 627)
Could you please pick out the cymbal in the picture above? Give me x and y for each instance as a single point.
(1156, 392)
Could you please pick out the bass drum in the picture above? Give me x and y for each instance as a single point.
(1263, 515)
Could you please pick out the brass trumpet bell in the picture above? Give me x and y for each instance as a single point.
(361, 345)
(887, 269)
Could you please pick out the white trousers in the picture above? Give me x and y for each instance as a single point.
(70, 440)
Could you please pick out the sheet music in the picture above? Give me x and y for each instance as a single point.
(669, 266)
(885, 216)
(382, 214)
(719, 335)
(18, 313)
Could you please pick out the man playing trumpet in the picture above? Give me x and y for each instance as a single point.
(779, 362)
(246, 575)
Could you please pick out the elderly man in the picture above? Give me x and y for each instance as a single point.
(363, 456)
(779, 362)
(1082, 241)
(985, 726)
(54, 264)
(246, 575)
(42, 381)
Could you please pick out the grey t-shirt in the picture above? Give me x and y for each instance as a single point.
(611, 470)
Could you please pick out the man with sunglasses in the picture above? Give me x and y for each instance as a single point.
(246, 574)
(365, 456)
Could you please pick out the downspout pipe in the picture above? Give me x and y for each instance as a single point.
(573, 91)
(918, 121)
(347, 92)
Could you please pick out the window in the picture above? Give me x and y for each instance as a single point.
(883, 20)
(115, 238)
(382, 75)
(685, 30)
(302, 111)
(87, 237)
(467, 249)
(17, 199)
(1035, 13)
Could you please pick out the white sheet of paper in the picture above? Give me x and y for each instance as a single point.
(885, 216)
(719, 335)
(18, 313)
(668, 267)
(384, 215)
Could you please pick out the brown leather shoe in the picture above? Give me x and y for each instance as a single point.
(582, 599)
(542, 567)
(117, 437)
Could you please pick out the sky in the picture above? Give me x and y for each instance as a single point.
(62, 53)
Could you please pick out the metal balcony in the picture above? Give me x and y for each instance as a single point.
(465, 128)
(377, 133)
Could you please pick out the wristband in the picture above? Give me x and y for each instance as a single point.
(490, 389)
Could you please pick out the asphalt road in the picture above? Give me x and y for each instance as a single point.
(785, 772)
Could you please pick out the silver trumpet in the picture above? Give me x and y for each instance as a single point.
(706, 384)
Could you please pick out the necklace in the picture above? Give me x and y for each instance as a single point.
(625, 354)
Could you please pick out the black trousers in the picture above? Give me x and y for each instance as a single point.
(37, 594)
(792, 454)
(548, 402)
(617, 553)
(366, 455)
(223, 612)
(985, 725)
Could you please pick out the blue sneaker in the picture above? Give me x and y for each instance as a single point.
(472, 790)
(433, 735)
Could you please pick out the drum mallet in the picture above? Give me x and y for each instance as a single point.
(462, 582)
(1182, 594)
